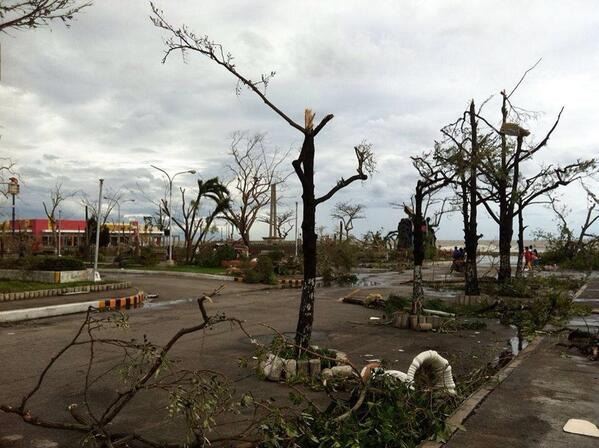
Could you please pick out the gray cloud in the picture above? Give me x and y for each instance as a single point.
(94, 100)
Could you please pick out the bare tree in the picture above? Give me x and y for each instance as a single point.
(57, 197)
(184, 40)
(110, 201)
(433, 177)
(254, 170)
(347, 213)
(460, 155)
(7, 170)
(195, 227)
(284, 223)
(502, 171)
(25, 14)
(569, 242)
(532, 191)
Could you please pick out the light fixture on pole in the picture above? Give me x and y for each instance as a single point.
(170, 207)
(13, 189)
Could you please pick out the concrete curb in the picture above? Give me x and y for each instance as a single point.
(62, 291)
(169, 273)
(72, 308)
(461, 414)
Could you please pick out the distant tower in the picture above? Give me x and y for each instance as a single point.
(272, 219)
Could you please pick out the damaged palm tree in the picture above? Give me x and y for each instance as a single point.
(184, 40)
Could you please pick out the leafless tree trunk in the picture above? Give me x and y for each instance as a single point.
(283, 224)
(57, 197)
(183, 40)
(502, 173)
(433, 177)
(347, 213)
(254, 170)
(110, 201)
(463, 158)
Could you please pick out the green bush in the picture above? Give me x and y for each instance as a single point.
(43, 263)
(211, 256)
(148, 257)
(336, 258)
(252, 276)
(263, 272)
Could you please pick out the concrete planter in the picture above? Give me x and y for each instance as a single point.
(275, 368)
(58, 291)
(48, 276)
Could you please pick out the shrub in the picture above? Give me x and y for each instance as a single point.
(336, 258)
(263, 272)
(44, 263)
(210, 256)
(148, 257)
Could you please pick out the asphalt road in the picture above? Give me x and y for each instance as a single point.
(26, 348)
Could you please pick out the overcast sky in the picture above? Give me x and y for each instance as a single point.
(95, 101)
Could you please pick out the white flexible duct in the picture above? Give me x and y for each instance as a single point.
(401, 376)
(444, 377)
(374, 368)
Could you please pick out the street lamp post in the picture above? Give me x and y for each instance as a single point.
(170, 207)
(59, 233)
(13, 189)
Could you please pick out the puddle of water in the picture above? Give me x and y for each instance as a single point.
(439, 293)
(582, 323)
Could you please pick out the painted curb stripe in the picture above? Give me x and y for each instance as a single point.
(122, 302)
(68, 308)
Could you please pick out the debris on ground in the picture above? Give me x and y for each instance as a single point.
(582, 427)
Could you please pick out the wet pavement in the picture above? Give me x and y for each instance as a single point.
(530, 408)
(29, 346)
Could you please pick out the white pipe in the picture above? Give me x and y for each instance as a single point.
(438, 313)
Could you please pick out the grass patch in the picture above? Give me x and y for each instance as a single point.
(23, 285)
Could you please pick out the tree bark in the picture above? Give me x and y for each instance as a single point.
(418, 239)
(521, 228)
(471, 287)
(245, 236)
(506, 233)
(305, 320)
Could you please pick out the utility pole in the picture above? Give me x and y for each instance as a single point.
(13, 189)
(96, 273)
(59, 233)
(170, 207)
